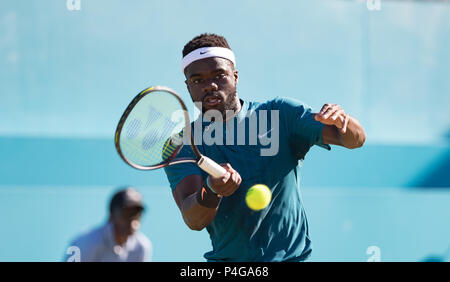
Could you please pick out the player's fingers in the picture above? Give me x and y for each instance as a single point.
(341, 119)
(329, 111)
(227, 166)
(337, 113)
(318, 117)
(221, 180)
(344, 128)
(233, 179)
(235, 174)
(324, 108)
(232, 184)
(239, 179)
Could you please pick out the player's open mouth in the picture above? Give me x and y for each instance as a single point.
(211, 101)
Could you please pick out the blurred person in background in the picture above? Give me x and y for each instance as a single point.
(117, 240)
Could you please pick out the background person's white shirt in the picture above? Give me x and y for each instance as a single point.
(99, 245)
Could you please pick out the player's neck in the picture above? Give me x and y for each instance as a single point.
(235, 110)
(120, 239)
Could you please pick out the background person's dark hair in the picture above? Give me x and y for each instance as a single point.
(122, 198)
(205, 40)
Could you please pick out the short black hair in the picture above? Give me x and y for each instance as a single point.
(125, 197)
(205, 40)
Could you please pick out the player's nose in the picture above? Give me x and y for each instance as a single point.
(210, 86)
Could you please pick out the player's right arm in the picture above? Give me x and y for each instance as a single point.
(197, 203)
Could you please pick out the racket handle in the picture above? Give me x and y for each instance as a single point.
(211, 167)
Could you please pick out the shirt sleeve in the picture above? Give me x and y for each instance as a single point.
(303, 130)
(80, 250)
(176, 173)
(145, 248)
(148, 252)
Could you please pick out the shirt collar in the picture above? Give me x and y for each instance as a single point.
(108, 234)
(239, 117)
(243, 112)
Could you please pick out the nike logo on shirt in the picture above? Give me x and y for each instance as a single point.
(264, 134)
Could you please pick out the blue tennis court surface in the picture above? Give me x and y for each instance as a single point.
(54, 201)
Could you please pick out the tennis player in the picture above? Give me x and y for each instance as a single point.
(280, 231)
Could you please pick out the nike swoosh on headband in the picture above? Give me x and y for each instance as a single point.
(207, 52)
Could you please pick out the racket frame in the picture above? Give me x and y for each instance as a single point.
(203, 162)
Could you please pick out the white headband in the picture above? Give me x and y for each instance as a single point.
(207, 52)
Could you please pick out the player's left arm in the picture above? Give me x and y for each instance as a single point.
(340, 128)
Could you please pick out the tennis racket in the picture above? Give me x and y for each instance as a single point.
(150, 132)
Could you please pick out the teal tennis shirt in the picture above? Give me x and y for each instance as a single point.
(249, 144)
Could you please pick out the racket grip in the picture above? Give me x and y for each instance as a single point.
(211, 167)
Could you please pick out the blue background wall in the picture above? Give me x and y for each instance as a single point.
(66, 76)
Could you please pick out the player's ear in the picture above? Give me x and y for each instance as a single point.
(236, 76)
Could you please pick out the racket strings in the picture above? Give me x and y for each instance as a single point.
(153, 134)
(153, 115)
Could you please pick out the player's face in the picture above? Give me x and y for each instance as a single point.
(127, 221)
(212, 81)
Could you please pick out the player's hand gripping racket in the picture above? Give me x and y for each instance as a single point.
(149, 133)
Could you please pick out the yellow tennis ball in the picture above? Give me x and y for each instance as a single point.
(258, 197)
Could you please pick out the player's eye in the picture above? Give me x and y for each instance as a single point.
(221, 76)
(197, 80)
